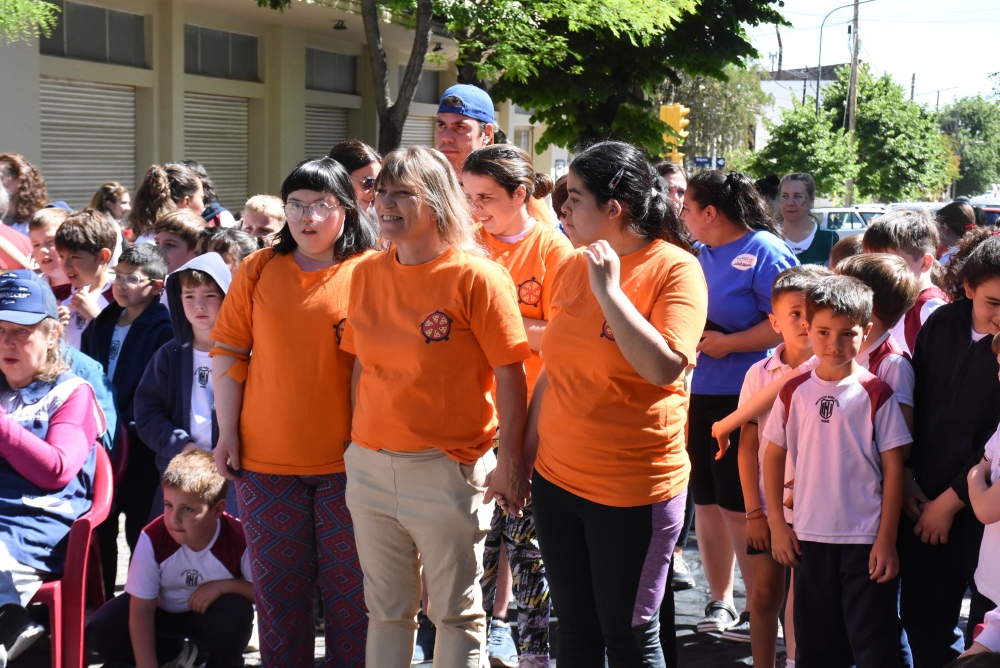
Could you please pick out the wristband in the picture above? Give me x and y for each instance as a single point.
(754, 511)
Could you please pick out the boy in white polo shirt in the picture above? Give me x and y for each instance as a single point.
(188, 585)
(842, 430)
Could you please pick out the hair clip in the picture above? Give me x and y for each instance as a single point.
(970, 226)
(614, 181)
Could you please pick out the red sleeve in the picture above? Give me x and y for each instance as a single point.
(53, 462)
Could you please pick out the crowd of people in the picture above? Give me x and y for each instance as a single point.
(431, 383)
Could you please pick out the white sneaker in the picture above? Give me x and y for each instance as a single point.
(185, 658)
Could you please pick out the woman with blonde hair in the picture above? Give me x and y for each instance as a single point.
(433, 323)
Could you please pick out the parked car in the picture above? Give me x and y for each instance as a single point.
(847, 220)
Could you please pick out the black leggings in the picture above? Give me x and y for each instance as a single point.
(607, 569)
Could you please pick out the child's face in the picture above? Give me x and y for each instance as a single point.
(836, 339)
(189, 520)
(175, 249)
(43, 252)
(985, 306)
(789, 320)
(259, 225)
(81, 268)
(201, 306)
(140, 294)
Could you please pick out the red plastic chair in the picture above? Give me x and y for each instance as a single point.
(67, 598)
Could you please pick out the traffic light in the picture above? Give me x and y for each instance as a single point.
(675, 115)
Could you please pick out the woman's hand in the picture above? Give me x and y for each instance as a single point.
(227, 456)
(508, 486)
(714, 344)
(605, 269)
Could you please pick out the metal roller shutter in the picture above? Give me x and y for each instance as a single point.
(87, 138)
(216, 134)
(418, 131)
(325, 126)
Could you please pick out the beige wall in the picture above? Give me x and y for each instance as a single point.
(276, 106)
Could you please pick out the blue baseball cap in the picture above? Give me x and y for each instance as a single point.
(476, 103)
(25, 299)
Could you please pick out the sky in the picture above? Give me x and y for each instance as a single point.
(952, 47)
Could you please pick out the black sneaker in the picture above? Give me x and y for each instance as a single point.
(719, 616)
(17, 630)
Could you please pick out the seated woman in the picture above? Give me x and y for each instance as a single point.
(49, 422)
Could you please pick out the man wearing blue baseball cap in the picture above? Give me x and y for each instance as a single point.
(465, 122)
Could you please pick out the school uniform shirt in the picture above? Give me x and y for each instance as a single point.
(760, 375)
(605, 433)
(531, 261)
(905, 331)
(427, 337)
(987, 573)
(77, 323)
(991, 634)
(739, 275)
(202, 400)
(886, 359)
(117, 339)
(163, 569)
(296, 416)
(835, 432)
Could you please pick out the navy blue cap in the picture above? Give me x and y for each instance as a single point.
(59, 205)
(25, 299)
(476, 103)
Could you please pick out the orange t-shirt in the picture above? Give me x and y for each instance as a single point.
(530, 262)
(428, 337)
(296, 414)
(606, 434)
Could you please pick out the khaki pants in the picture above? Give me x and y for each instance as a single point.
(420, 509)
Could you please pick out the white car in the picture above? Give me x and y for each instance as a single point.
(847, 220)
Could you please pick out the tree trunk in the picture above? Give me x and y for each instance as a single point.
(392, 115)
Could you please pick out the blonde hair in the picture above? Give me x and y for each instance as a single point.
(426, 172)
(266, 205)
(194, 472)
(54, 364)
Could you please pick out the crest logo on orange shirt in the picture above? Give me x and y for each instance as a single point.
(606, 331)
(530, 292)
(436, 327)
(338, 329)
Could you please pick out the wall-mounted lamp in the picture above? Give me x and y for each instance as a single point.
(438, 47)
(339, 25)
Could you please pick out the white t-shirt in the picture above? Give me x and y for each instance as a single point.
(169, 572)
(835, 432)
(988, 571)
(117, 341)
(896, 370)
(802, 246)
(202, 401)
(991, 634)
(899, 329)
(761, 374)
(77, 323)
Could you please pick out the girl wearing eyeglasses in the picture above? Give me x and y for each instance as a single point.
(284, 415)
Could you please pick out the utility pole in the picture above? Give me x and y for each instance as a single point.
(913, 85)
(852, 100)
(777, 32)
(805, 80)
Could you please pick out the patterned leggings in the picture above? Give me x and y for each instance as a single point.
(531, 589)
(299, 532)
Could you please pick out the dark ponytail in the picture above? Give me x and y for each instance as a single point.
(733, 195)
(160, 191)
(620, 171)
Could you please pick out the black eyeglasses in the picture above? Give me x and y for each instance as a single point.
(367, 183)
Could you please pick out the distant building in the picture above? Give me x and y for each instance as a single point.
(247, 91)
(787, 85)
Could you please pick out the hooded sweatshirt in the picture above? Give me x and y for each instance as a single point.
(163, 398)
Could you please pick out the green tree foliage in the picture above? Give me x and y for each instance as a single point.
(26, 19)
(801, 142)
(903, 153)
(724, 112)
(973, 123)
(607, 83)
